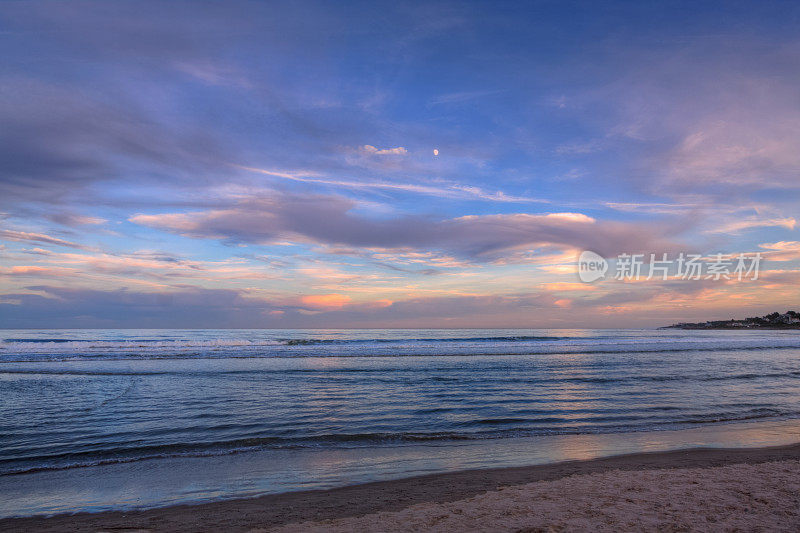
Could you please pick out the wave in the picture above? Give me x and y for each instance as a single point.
(127, 454)
(504, 427)
(72, 344)
(39, 343)
(27, 356)
(634, 379)
(69, 348)
(512, 338)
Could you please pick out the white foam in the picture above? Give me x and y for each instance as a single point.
(36, 347)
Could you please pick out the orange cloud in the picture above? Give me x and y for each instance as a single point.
(782, 251)
(326, 301)
(25, 270)
(568, 286)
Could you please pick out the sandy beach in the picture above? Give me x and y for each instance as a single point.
(747, 489)
(723, 498)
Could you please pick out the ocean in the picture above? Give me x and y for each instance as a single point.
(101, 419)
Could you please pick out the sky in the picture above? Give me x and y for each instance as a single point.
(392, 164)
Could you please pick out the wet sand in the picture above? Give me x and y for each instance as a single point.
(733, 493)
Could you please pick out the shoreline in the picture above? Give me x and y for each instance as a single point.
(275, 510)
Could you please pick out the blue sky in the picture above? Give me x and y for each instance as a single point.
(325, 164)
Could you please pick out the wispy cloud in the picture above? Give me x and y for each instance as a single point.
(39, 238)
(781, 251)
(756, 222)
(453, 191)
(460, 97)
(75, 220)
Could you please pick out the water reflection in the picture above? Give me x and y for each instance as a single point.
(185, 480)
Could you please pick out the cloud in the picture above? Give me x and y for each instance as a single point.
(75, 220)
(465, 96)
(568, 286)
(756, 222)
(325, 301)
(36, 271)
(658, 208)
(213, 74)
(118, 109)
(654, 304)
(781, 251)
(57, 142)
(189, 307)
(330, 220)
(453, 191)
(756, 147)
(699, 116)
(39, 238)
(368, 148)
(144, 268)
(222, 308)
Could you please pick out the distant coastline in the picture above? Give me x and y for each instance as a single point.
(787, 320)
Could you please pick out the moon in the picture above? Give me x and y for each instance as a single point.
(435, 151)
